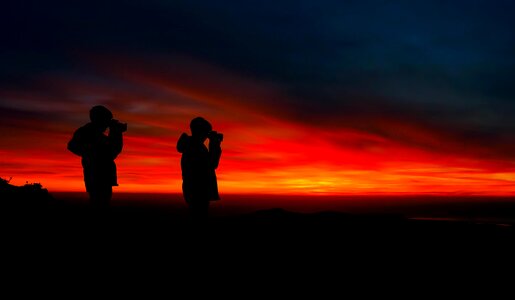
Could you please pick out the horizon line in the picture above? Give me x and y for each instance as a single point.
(271, 194)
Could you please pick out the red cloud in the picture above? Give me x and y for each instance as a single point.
(264, 150)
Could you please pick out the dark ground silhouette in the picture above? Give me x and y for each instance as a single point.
(62, 246)
(262, 249)
(39, 216)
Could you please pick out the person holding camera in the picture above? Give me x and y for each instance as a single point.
(198, 165)
(98, 152)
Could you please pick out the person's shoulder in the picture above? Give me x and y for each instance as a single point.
(85, 129)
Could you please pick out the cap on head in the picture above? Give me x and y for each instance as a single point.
(100, 114)
(200, 126)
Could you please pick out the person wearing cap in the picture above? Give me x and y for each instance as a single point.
(98, 152)
(198, 165)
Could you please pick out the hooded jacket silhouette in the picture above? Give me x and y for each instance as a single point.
(98, 152)
(198, 165)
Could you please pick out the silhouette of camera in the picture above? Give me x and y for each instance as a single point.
(118, 126)
(216, 136)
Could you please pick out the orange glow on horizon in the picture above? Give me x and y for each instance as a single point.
(264, 151)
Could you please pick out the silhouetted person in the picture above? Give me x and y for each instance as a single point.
(198, 164)
(98, 152)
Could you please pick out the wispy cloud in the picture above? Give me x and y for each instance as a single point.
(328, 96)
(267, 149)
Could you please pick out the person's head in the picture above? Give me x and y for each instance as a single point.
(200, 128)
(100, 116)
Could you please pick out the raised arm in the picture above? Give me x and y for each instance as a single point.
(215, 152)
(115, 142)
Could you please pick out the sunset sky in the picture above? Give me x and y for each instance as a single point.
(313, 97)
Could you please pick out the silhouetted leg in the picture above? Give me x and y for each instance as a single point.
(199, 210)
(100, 198)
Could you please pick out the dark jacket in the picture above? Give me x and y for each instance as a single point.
(98, 153)
(198, 164)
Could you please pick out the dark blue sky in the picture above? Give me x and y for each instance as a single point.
(448, 66)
